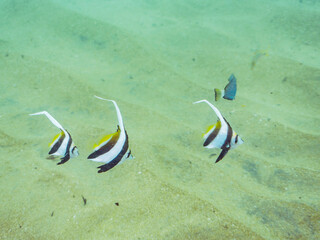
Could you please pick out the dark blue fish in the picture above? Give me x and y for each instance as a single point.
(229, 91)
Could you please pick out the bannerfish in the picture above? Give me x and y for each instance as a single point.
(220, 135)
(229, 91)
(62, 144)
(113, 149)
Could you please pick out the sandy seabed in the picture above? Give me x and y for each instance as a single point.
(155, 58)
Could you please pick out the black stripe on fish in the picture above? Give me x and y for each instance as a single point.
(212, 135)
(58, 143)
(107, 147)
(117, 159)
(227, 143)
(67, 153)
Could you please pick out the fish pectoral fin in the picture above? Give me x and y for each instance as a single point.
(52, 157)
(222, 154)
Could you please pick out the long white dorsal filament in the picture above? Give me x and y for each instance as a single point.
(118, 112)
(214, 109)
(54, 121)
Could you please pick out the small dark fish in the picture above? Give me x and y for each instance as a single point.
(257, 55)
(117, 204)
(84, 200)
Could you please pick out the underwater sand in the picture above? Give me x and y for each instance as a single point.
(155, 58)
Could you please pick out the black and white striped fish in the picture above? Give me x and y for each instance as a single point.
(220, 135)
(62, 144)
(113, 149)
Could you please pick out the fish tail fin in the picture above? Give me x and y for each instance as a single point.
(217, 94)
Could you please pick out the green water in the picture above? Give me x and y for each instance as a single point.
(155, 58)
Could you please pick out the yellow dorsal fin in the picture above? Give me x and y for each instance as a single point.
(216, 125)
(208, 129)
(55, 138)
(107, 138)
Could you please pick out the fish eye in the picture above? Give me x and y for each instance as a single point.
(74, 149)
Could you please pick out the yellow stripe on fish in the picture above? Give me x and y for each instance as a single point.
(211, 128)
(55, 138)
(108, 139)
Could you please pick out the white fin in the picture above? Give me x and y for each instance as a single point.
(118, 112)
(214, 109)
(54, 121)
